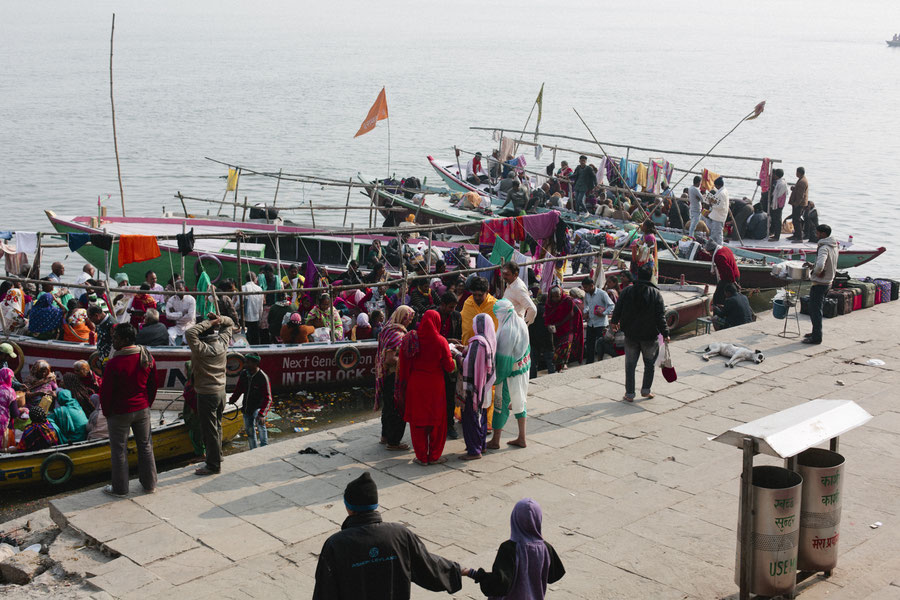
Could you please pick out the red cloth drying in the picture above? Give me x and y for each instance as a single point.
(137, 248)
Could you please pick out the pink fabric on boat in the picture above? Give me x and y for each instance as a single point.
(764, 175)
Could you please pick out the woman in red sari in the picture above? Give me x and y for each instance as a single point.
(559, 316)
(424, 358)
(139, 305)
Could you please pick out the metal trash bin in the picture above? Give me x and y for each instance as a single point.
(776, 531)
(820, 511)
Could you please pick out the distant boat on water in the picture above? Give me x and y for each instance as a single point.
(893, 43)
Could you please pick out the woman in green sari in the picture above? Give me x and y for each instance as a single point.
(513, 364)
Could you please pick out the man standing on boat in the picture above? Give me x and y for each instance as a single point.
(181, 309)
(208, 341)
(475, 173)
(779, 197)
(799, 200)
(821, 277)
(584, 180)
(695, 198)
(718, 212)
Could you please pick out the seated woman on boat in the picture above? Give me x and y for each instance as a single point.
(41, 382)
(326, 315)
(69, 418)
(76, 327)
(97, 427)
(375, 255)
(82, 383)
(294, 331)
(40, 434)
(139, 305)
(9, 406)
(45, 318)
(362, 330)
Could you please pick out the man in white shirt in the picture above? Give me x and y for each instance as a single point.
(695, 198)
(718, 211)
(150, 278)
(87, 272)
(181, 310)
(252, 307)
(475, 173)
(778, 199)
(517, 293)
(597, 308)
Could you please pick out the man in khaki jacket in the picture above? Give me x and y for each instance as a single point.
(208, 341)
(798, 202)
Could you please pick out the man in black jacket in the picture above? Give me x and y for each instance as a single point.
(153, 333)
(373, 560)
(641, 314)
(540, 338)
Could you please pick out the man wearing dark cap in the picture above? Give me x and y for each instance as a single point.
(373, 560)
(253, 384)
(208, 341)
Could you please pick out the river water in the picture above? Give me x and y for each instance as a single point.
(286, 85)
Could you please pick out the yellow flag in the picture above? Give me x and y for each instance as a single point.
(540, 103)
(232, 180)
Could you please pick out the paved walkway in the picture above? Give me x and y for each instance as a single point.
(637, 500)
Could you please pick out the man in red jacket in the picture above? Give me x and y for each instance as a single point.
(253, 385)
(127, 391)
(725, 268)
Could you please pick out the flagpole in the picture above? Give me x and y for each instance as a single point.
(389, 145)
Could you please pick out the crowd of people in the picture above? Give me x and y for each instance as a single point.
(697, 211)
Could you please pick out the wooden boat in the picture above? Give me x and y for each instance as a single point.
(851, 255)
(219, 256)
(290, 367)
(57, 465)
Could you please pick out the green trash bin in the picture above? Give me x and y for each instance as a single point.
(775, 531)
(820, 512)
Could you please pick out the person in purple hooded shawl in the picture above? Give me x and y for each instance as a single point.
(525, 563)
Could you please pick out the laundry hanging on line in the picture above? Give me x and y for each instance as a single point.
(137, 248)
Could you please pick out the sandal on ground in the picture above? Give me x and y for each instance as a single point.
(439, 461)
(419, 462)
(648, 395)
(397, 447)
(627, 399)
(469, 456)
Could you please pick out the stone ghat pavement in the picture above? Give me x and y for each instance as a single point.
(636, 499)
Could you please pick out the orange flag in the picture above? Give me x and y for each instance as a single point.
(378, 112)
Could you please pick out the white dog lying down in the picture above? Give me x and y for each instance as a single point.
(735, 353)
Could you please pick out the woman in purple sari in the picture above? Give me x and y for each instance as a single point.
(474, 392)
(525, 563)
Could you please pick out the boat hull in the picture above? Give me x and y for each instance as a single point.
(91, 458)
(304, 366)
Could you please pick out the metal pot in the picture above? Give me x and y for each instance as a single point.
(797, 270)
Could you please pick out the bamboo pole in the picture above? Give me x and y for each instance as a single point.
(352, 243)
(312, 215)
(240, 280)
(347, 206)
(616, 167)
(112, 106)
(372, 196)
(617, 145)
(277, 185)
(284, 208)
(244, 214)
(428, 256)
(184, 232)
(237, 183)
(340, 288)
(183, 207)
